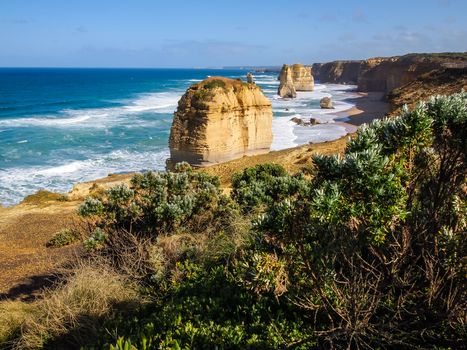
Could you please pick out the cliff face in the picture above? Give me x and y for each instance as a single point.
(385, 73)
(444, 81)
(337, 72)
(302, 78)
(220, 119)
(286, 85)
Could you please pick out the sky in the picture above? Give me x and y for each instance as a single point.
(207, 33)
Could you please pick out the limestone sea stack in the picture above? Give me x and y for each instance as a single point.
(286, 85)
(220, 119)
(302, 78)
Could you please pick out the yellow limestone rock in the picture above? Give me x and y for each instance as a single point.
(286, 86)
(220, 119)
(302, 78)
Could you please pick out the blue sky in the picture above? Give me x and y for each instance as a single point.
(175, 33)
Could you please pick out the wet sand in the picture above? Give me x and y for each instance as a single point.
(368, 107)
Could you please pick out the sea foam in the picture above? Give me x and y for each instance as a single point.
(16, 183)
(161, 102)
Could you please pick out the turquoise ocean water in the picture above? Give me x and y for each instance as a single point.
(63, 126)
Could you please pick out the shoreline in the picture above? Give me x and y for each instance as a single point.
(367, 107)
(61, 174)
(26, 227)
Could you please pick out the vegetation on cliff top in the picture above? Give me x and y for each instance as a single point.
(364, 250)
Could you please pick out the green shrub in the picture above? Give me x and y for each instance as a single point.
(368, 251)
(203, 95)
(207, 309)
(95, 241)
(214, 83)
(63, 237)
(129, 225)
(160, 203)
(264, 184)
(365, 246)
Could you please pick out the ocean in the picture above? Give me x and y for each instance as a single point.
(63, 126)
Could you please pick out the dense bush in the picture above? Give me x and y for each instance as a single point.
(368, 250)
(263, 185)
(158, 203)
(145, 228)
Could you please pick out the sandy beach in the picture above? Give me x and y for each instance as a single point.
(368, 107)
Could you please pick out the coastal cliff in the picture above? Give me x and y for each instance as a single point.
(220, 119)
(385, 73)
(445, 81)
(337, 72)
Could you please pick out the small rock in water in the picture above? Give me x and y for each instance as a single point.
(314, 121)
(326, 103)
(297, 121)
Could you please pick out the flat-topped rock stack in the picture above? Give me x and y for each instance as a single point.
(220, 119)
(302, 78)
(295, 78)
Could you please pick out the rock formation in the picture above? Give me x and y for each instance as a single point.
(302, 78)
(326, 103)
(301, 122)
(220, 119)
(337, 72)
(444, 81)
(286, 86)
(385, 73)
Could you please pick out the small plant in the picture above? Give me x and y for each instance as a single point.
(95, 241)
(63, 238)
(215, 83)
(204, 95)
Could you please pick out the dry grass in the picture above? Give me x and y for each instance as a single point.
(12, 316)
(73, 310)
(43, 197)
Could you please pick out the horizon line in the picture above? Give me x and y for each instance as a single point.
(129, 67)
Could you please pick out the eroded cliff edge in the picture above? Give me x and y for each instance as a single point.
(386, 73)
(220, 119)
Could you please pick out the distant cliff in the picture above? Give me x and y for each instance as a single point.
(444, 81)
(337, 72)
(385, 73)
(220, 119)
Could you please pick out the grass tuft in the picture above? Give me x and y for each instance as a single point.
(63, 238)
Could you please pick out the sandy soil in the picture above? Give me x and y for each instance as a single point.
(27, 264)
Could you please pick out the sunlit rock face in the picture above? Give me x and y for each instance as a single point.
(302, 78)
(286, 85)
(220, 119)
